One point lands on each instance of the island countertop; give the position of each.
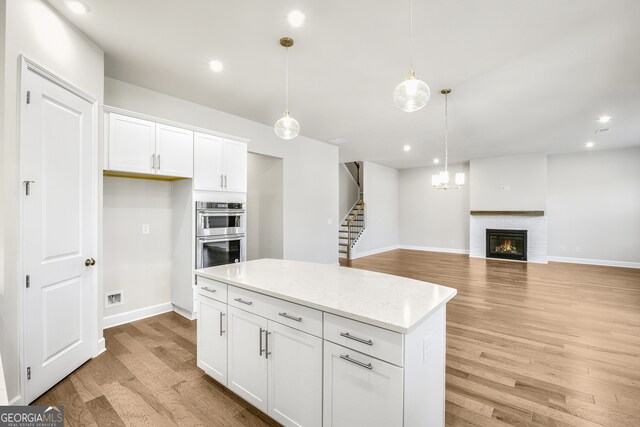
(391, 302)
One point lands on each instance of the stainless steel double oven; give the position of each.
(220, 229)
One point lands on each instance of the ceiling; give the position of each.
(527, 76)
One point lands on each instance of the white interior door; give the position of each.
(57, 231)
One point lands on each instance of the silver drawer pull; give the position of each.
(204, 288)
(351, 337)
(356, 362)
(297, 319)
(240, 300)
(221, 330)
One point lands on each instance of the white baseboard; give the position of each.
(608, 263)
(373, 252)
(184, 313)
(131, 316)
(15, 401)
(101, 347)
(432, 249)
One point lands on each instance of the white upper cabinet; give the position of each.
(145, 147)
(220, 164)
(132, 144)
(234, 157)
(174, 151)
(207, 162)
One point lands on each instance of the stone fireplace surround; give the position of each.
(535, 222)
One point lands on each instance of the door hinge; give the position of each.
(29, 372)
(28, 97)
(27, 281)
(27, 187)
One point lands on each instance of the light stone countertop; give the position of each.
(391, 302)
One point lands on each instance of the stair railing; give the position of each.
(355, 222)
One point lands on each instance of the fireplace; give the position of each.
(507, 244)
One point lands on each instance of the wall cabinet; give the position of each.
(212, 338)
(220, 164)
(144, 147)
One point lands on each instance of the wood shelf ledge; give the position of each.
(520, 213)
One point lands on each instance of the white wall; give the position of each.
(431, 218)
(526, 177)
(594, 205)
(381, 209)
(310, 167)
(139, 264)
(348, 191)
(35, 30)
(264, 207)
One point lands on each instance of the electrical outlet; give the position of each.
(329, 221)
(146, 229)
(112, 299)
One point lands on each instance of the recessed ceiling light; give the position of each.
(589, 144)
(436, 161)
(338, 141)
(296, 18)
(216, 66)
(77, 7)
(604, 119)
(407, 148)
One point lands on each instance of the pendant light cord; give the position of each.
(446, 131)
(286, 79)
(411, 34)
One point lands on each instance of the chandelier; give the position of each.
(441, 180)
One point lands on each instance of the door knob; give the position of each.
(89, 261)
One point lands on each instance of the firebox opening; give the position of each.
(507, 244)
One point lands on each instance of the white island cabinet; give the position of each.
(319, 345)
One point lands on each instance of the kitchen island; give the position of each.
(320, 345)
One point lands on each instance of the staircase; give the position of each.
(351, 229)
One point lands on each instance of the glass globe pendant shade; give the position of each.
(444, 177)
(287, 127)
(460, 178)
(412, 94)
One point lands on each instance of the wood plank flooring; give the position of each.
(527, 345)
(531, 344)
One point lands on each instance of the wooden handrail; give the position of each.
(349, 224)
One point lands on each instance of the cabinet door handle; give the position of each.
(356, 362)
(204, 288)
(240, 300)
(360, 340)
(158, 161)
(288, 316)
(153, 161)
(261, 349)
(266, 344)
(221, 330)
(225, 180)
(221, 181)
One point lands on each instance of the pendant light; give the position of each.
(412, 94)
(287, 127)
(441, 180)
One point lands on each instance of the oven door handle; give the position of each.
(222, 213)
(221, 238)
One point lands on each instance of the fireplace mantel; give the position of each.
(519, 213)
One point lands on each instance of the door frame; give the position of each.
(97, 340)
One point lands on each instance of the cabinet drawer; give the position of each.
(296, 316)
(371, 340)
(293, 315)
(252, 302)
(212, 289)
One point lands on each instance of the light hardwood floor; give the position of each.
(527, 344)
